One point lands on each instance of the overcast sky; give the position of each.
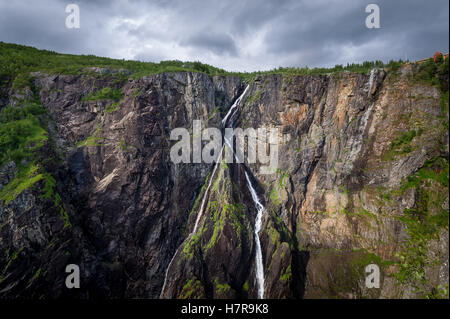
(238, 35)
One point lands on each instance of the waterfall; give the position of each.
(259, 207)
(371, 79)
(167, 272)
(259, 261)
(200, 214)
(260, 210)
(234, 106)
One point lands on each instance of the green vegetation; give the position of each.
(18, 61)
(404, 138)
(245, 286)
(50, 192)
(106, 93)
(111, 108)
(436, 169)
(21, 132)
(122, 145)
(401, 144)
(190, 244)
(444, 110)
(273, 234)
(286, 275)
(433, 73)
(11, 258)
(423, 224)
(359, 213)
(93, 140)
(36, 275)
(22, 135)
(220, 288)
(343, 189)
(252, 98)
(214, 112)
(193, 288)
(228, 211)
(279, 235)
(364, 67)
(274, 193)
(220, 212)
(24, 179)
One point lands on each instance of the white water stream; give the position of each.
(259, 262)
(371, 79)
(234, 106)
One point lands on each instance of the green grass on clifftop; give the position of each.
(18, 61)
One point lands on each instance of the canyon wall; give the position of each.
(362, 178)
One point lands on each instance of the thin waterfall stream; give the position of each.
(259, 262)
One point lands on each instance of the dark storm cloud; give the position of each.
(236, 35)
(23, 23)
(214, 42)
(414, 29)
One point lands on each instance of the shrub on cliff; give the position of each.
(20, 132)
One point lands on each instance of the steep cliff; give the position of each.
(362, 178)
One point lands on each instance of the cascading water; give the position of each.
(259, 261)
(371, 79)
(259, 207)
(218, 160)
(167, 272)
(199, 216)
(260, 210)
(234, 106)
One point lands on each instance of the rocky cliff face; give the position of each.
(344, 186)
(362, 178)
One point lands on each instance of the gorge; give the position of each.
(362, 178)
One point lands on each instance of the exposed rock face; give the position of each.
(334, 205)
(337, 188)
